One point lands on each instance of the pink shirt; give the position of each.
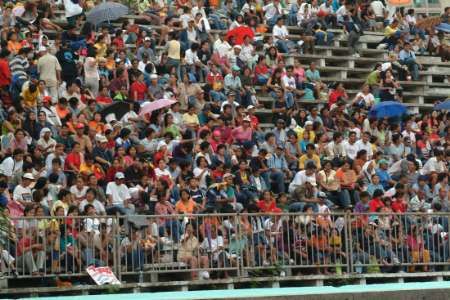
(241, 135)
(299, 74)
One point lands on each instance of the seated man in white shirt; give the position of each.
(119, 196)
(281, 36)
(272, 12)
(22, 192)
(194, 63)
(91, 195)
(436, 164)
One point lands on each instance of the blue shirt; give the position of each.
(403, 55)
(276, 162)
(384, 178)
(373, 187)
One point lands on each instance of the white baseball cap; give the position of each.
(28, 176)
(119, 175)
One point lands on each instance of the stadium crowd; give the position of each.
(74, 141)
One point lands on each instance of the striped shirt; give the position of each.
(19, 66)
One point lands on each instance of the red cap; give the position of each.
(47, 99)
(80, 126)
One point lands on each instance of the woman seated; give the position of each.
(188, 252)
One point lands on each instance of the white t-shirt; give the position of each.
(279, 32)
(119, 193)
(289, 81)
(368, 99)
(411, 135)
(360, 145)
(99, 207)
(92, 225)
(299, 179)
(9, 166)
(191, 57)
(22, 193)
(202, 181)
(270, 10)
(160, 173)
(378, 8)
(433, 165)
(213, 245)
(357, 131)
(350, 149)
(79, 194)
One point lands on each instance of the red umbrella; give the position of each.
(239, 33)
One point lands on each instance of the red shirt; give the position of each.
(23, 243)
(254, 121)
(334, 95)
(375, 204)
(261, 70)
(5, 73)
(211, 78)
(267, 207)
(118, 42)
(72, 159)
(399, 206)
(104, 100)
(140, 88)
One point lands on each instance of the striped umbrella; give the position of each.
(106, 11)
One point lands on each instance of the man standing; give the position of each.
(49, 71)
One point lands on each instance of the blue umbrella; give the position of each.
(106, 11)
(387, 109)
(443, 105)
(443, 27)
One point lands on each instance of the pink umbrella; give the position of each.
(155, 105)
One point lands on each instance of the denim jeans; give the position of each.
(290, 100)
(324, 38)
(277, 182)
(261, 79)
(413, 67)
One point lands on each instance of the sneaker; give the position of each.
(382, 46)
(356, 55)
(266, 263)
(282, 274)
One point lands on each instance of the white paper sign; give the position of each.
(102, 275)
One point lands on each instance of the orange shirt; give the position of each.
(319, 243)
(62, 112)
(14, 47)
(187, 208)
(99, 126)
(346, 179)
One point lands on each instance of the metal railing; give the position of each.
(222, 245)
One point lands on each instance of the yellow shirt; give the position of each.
(389, 31)
(30, 99)
(101, 49)
(190, 119)
(300, 131)
(304, 158)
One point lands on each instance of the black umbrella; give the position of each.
(118, 108)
